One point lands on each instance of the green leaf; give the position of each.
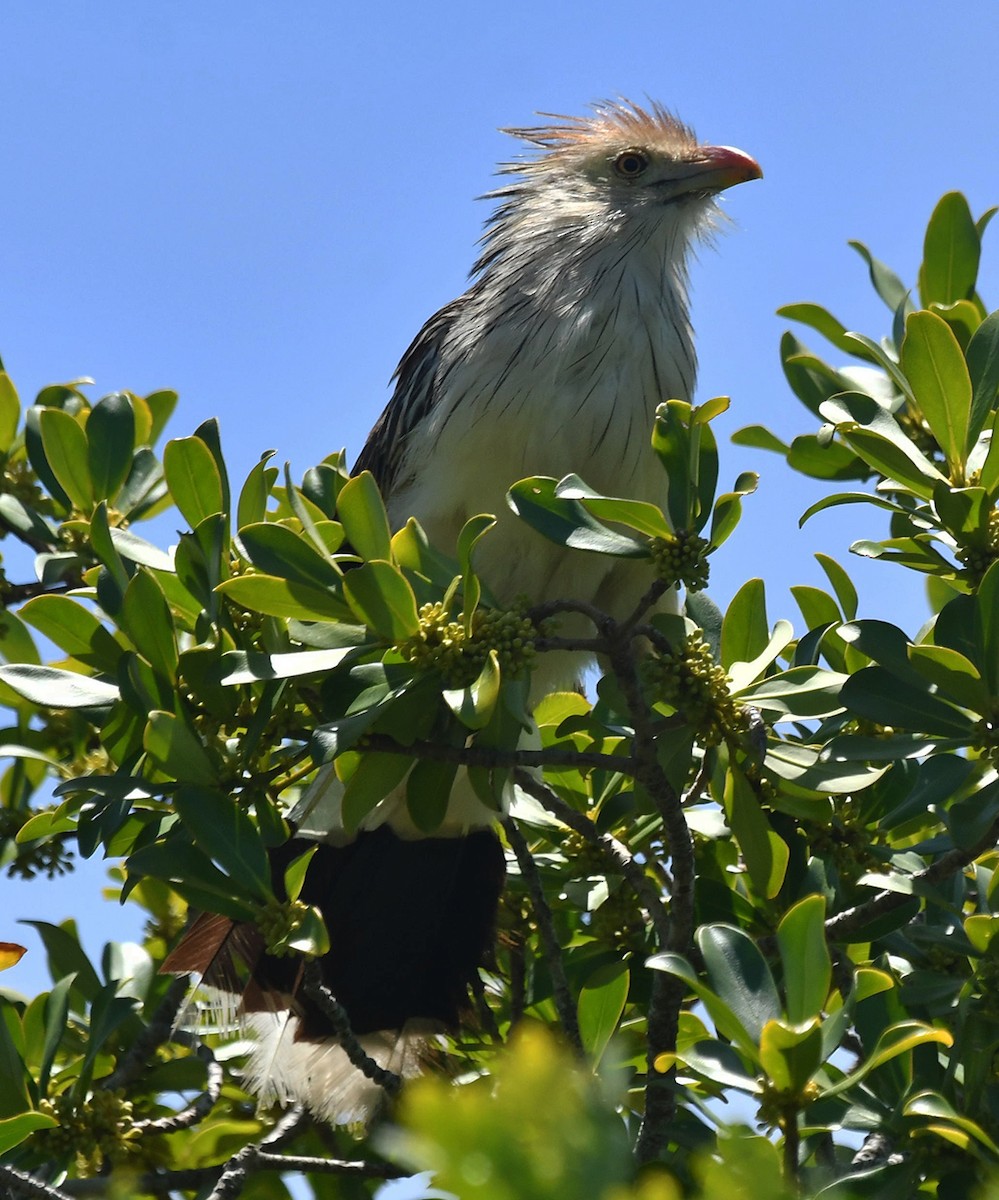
(638, 515)
(822, 320)
(375, 777)
(221, 828)
(759, 438)
(67, 957)
(250, 666)
(743, 673)
(601, 1002)
(936, 370)
(472, 531)
(252, 505)
(896, 1040)
(726, 1021)
(982, 356)
(10, 412)
(672, 443)
(277, 550)
(886, 283)
(145, 616)
(192, 874)
(65, 446)
(804, 954)
(177, 749)
(740, 976)
(193, 478)
(745, 631)
(14, 1130)
(284, 598)
(74, 629)
(954, 676)
(987, 626)
(765, 853)
(728, 511)
(799, 692)
(380, 595)
(474, 705)
(428, 793)
(881, 696)
(951, 251)
(824, 459)
(51, 687)
(110, 444)
(361, 510)
(790, 1054)
(567, 522)
(842, 585)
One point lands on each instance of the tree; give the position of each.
(754, 863)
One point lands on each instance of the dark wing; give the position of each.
(414, 397)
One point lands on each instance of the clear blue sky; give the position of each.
(259, 203)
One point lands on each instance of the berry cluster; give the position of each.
(976, 559)
(687, 678)
(100, 1128)
(682, 558)
(445, 645)
(278, 921)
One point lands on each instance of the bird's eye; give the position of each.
(629, 164)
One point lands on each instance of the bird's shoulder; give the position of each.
(412, 400)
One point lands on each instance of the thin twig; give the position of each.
(546, 928)
(159, 1030)
(489, 756)
(200, 1107)
(334, 1011)
(19, 1184)
(841, 926)
(233, 1178)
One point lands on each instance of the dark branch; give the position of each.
(199, 1108)
(332, 1009)
(546, 928)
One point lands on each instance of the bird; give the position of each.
(574, 327)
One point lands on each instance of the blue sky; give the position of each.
(258, 204)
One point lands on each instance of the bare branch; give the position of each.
(159, 1030)
(19, 1184)
(199, 1108)
(546, 928)
(334, 1011)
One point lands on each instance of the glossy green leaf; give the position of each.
(842, 585)
(277, 550)
(728, 1024)
(10, 411)
(176, 748)
(956, 678)
(14, 1130)
(110, 444)
(474, 529)
(743, 673)
(567, 522)
(804, 954)
(635, 514)
(766, 855)
(886, 283)
(67, 957)
(52, 687)
(821, 320)
(361, 511)
(380, 596)
(877, 438)
(601, 1003)
(428, 792)
(987, 627)
(896, 1040)
(221, 828)
(791, 1053)
(938, 374)
(759, 438)
(671, 441)
(740, 976)
(65, 446)
(285, 598)
(474, 705)
(375, 777)
(798, 692)
(74, 629)
(745, 631)
(880, 696)
(146, 617)
(982, 356)
(194, 479)
(251, 507)
(248, 666)
(951, 251)
(192, 874)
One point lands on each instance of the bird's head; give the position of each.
(620, 164)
